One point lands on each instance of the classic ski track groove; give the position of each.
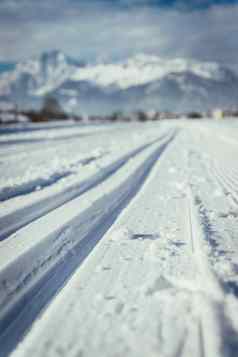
(226, 184)
(211, 290)
(20, 316)
(53, 139)
(201, 262)
(21, 217)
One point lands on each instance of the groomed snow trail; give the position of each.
(136, 254)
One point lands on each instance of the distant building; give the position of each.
(218, 114)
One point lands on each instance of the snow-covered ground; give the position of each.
(119, 240)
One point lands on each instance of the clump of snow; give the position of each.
(122, 233)
(218, 193)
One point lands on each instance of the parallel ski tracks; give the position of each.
(10, 223)
(208, 295)
(224, 174)
(18, 314)
(228, 182)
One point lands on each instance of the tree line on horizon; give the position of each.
(52, 110)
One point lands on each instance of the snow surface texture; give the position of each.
(118, 245)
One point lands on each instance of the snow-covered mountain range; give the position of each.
(141, 82)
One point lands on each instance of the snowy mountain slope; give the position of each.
(143, 69)
(138, 83)
(50, 69)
